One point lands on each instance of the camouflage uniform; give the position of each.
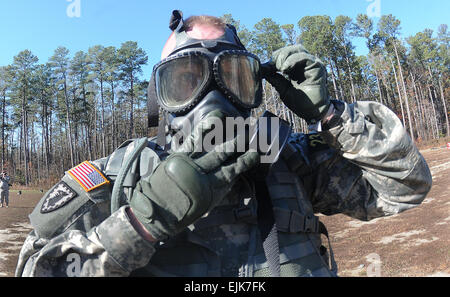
(4, 190)
(365, 166)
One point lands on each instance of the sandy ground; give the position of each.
(14, 227)
(414, 243)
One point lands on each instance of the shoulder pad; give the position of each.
(79, 189)
(150, 157)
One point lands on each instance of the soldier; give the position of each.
(154, 208)
(4, 189)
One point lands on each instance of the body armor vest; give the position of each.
(227, 242)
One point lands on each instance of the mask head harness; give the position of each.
(199, 76)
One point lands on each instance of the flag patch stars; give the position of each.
(88, 176)
(58, 197)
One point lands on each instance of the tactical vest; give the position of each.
(226, 241)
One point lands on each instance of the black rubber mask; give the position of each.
(184, 78)
(199, 76)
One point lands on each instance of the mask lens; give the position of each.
(179, 81)
(240, 76)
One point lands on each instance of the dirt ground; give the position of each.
(14, 228)
(414, 243)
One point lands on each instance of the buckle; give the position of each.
(242, 213)
(311, 225)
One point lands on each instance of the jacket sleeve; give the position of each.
(377, 170)
(112, 248)
(81, 237)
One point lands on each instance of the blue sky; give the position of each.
(43, 25)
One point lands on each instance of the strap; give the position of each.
(119, 183)
(267, 227)
(152, 104)
(294, 222)
(332, 262)
(231, 216)
(130, 180)
(286, 220)
(161, 138)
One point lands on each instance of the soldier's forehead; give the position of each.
(200, 31)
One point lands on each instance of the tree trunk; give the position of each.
(445, 107)
(69, 126)
(131, 106)
(427, 112)
(404, 91)
(442, 98)
(113, 112)
(88, 132)
(419, 110)
(48, 144)
(350, 74)
(3, 130)
(388, 97)
(102, 119)
(379, 87)
(434, 113)
(95, 149)
(399, 94)
(75, 124)
(341, 90)
(45, 137)
(25, 146)
(333, 77)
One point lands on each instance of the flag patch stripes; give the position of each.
(88, 176)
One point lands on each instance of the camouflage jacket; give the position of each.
(364, 166)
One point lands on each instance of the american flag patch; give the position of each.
(88, 176)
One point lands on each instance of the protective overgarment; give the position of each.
(364, 165)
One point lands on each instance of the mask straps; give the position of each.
(161, 138)
(152, 104)
(236, 37)
(153, 113)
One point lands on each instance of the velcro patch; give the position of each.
(88, 176)
(58, 197)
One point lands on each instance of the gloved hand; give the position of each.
(305, 92)
(188, 184)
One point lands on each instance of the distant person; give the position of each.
(4, 189)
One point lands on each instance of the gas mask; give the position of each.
(200, 76)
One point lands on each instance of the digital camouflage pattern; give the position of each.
(365, 166)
